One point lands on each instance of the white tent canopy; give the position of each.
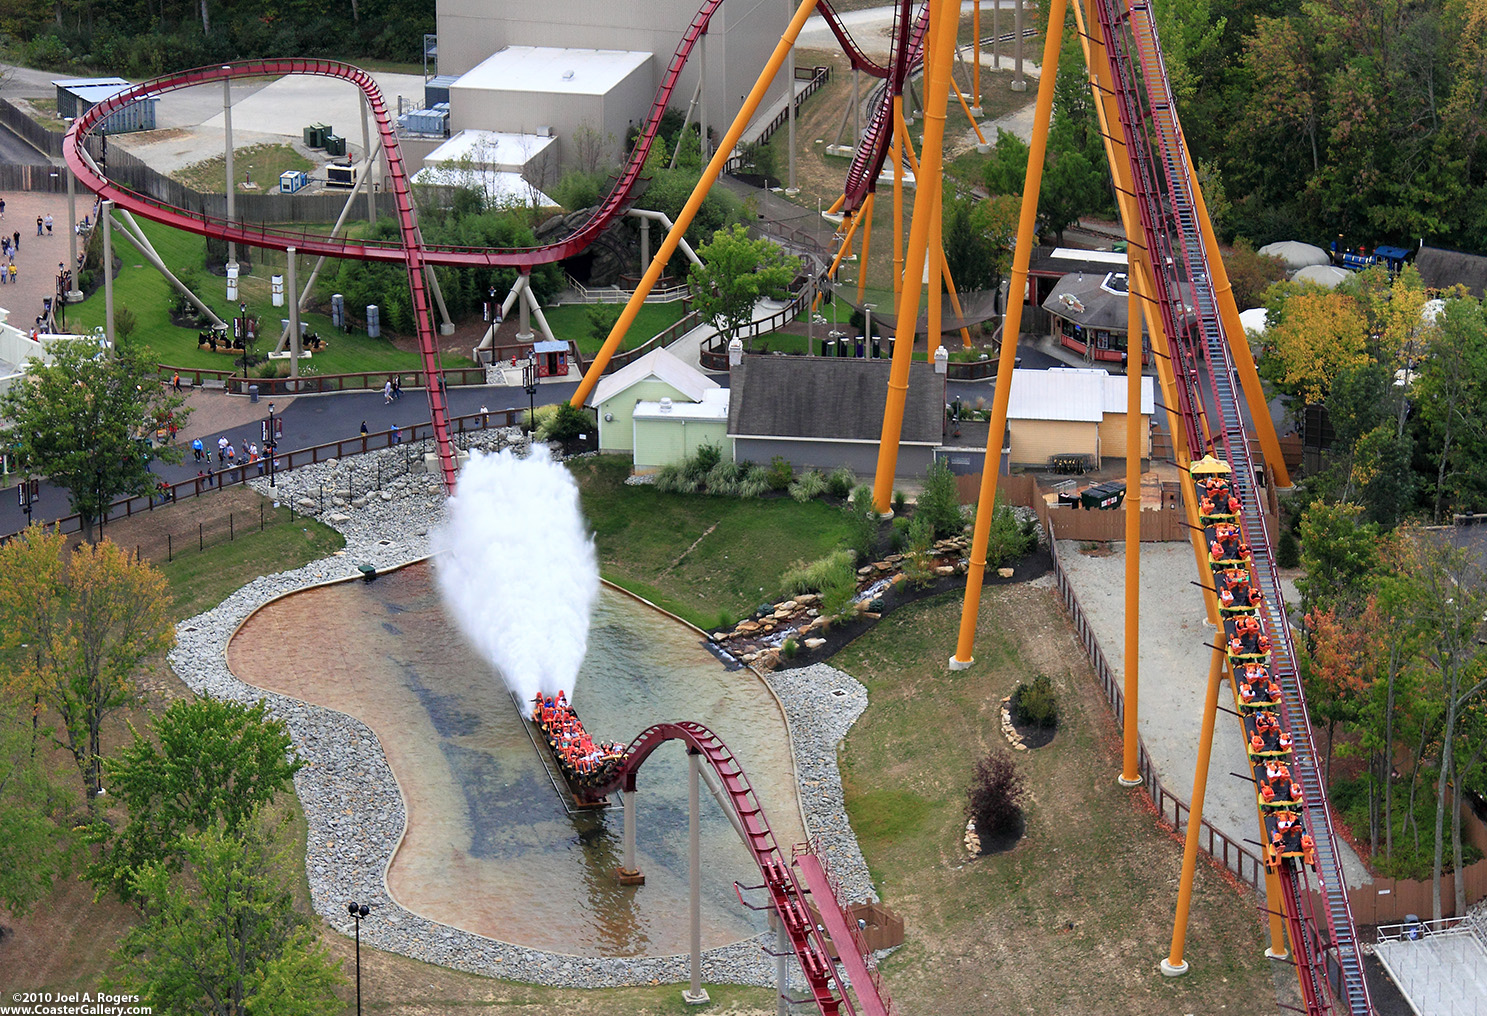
(1297, 254)
(1253, 320)
(1322, 275)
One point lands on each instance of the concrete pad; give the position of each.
(288, 105)
(1439, 975)
(1173, 673)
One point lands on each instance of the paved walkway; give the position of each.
(688, 346)
(1440, 975)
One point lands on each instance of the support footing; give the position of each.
(976, 112)
(1170, 969)
(629, 876)
(983, 149)
(76, 296)
(698, 999)
(1124, 781)
(1271, 954)
(446, 328)
(1019, 86)
(956, 664)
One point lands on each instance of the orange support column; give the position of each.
(938, 58)
(986, 504)
(896, 153)
(1174, 965)
(1130, 774)
(684, 219)
(866, 216)
(976, 57)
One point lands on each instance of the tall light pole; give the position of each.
(271, 442)
(357, 912)
(529, 382)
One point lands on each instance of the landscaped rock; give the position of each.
(1005, 573)
(747, 626)
(814, 643)
(945, 569)
(865, 571)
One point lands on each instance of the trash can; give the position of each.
(252, 393)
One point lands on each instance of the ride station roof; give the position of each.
(553, 69)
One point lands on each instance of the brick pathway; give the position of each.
(36, 262)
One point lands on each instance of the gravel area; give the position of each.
(346, 772)
(1175, 655)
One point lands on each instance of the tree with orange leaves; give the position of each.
(1314, 335)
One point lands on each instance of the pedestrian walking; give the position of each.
(363, 428)
(196, 449)
(397, 388)
(12, 273)
(397, 434)
(222, 448)
(175, 381)
(48, 223)
(485, 417)
(15, 242)
(231, 455)
(2, 208)
(38, 225)
(387, 392)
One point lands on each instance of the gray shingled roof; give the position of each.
(830, 397)
(1441, 268)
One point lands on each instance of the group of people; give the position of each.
(228, 457)
(584, 758)
(1268, 743)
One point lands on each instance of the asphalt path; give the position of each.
(313, 420)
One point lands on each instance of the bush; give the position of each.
(862, 521)
(811, 484)
(1288, 550)
(899, 501)
(900, 534)
(789, 649)
(707, 456)
(722, 479)
(564, 423)
(994, 798)
(755, 484)
(839, 593)
(919, 562)
(939, 502)
(1036, 704)
(840, 481)
(1008, 538)
(780, 473)
(814, 576)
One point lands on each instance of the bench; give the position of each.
(1069, 462)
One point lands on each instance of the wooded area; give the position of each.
(145, 38)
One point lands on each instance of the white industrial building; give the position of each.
(508, 169)
(542, 42)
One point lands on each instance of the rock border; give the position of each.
(347, 857)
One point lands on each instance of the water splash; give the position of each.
(517, 568)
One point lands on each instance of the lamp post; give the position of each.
(271, 442)
(357, 912)
(529, 382)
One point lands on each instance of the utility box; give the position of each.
(436, 90)
(315, 135)
(374, 322)
(335, 145)
(340, 176)
(292, 180)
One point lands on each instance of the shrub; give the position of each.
(722, 479)
(839, 593)
(1036, 704)
(1288, 550)
(789, 649)
(813, 576)
(840, 481)
(708, 455)
(862, 522)
(899, 500)
(939, 502)
(900, 534)
(754, 485)
(919, 563)
(564, 423)
(780, 473)
(994, 798)
(810, 485)
(1008, 538)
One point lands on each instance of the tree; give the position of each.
(85, 624)
(735, 274)
(1250, 273)
(978, 241)
(216, 764)
(939, 501)
(1451, 397)
(1006, 165)
(224, 939)
(1314, 335)
(1339, 553)
(1072, 186)
(36, 847)
(80, 421)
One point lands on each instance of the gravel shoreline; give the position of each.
(347, 859)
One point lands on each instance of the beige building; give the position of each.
(1066, 411)
(737, 45)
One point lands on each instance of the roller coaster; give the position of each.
(1178, 280)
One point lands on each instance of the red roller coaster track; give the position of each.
(787, 884)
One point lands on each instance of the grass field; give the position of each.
(1076, 917)
(571, 321)
(260, 163)
(147, 294)
(707, 559)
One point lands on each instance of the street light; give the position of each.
(271, 429)
(529, 382)
(357, 912)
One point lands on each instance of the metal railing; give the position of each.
(615, 294)
(311, 384)
(415, 439)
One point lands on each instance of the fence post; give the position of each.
(169, 550)
(260, 516)
(231, 529)
(201, 540)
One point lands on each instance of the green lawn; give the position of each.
(571, 321)
(260, 163)
(700, 557)
(1075, 918)
(146, 293)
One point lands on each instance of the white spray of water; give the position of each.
(517, 568)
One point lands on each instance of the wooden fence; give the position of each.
(1232, 855)
(1389, 900)
(416, 440)
(1077, 523)
(312, 384)
(45, 141)
(817, 76)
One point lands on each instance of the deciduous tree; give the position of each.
(86, 621)
(736, 272)
(81, 420)
(36, 845)
(214, 765)
(1315, 334)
